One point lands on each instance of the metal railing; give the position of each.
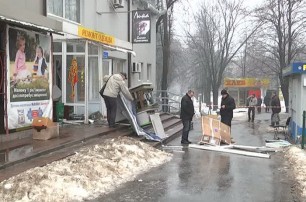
(167, 103)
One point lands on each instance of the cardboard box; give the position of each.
(215, 132)
(211, 130)
(225, 132)
(44, 129)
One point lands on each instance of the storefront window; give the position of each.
(76, 46)
(92, 49)
(93, 71)
(75, 82)
(57, 47)
(118, 66)
(58, 70)
(69, 9)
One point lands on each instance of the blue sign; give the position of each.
(105, 54)
(295, 68)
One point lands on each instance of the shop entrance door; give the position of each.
(106, 70)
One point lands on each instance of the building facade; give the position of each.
(296, 74)
(80, 41)
(100, 58)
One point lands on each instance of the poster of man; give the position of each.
(29, 76)
(29, 65)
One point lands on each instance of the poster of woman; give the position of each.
(29, 76)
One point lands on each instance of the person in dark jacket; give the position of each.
(227, 107)
(259, 102)
(276, 109)
(267, 101)
(187, 112)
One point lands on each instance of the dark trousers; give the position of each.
(267, 108)
(259, 109)
(227, 120)
(111, 105)
(251, 109)
(186, 129)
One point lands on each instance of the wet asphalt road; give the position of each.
(198, 175)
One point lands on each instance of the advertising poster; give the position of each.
(141, 27)
(29, 77)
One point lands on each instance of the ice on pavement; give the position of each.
(91, 172)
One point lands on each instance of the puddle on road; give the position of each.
(15, 153)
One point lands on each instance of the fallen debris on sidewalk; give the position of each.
(92, 171)
(255, 149)
(229, 150)
(277, 143)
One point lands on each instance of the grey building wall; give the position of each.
(101, 16)
(98, 15)
(31, 11)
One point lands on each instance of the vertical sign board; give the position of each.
(30, 77)
(141, 27)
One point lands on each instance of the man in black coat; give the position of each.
(276, 109)
(227, 107)
(187, 112)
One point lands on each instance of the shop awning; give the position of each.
(28, 25)
(119, 49)
(107, 41)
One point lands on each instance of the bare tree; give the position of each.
(283, 35)
(164, 26)
(217, 39)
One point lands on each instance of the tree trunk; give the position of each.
(285, 91)
(215, 89)
(166, 48)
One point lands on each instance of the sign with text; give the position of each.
(29, 76)
(246, 82)
(95, 36)
(141, 26)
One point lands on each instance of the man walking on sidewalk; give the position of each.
(115, 84)
(227, 107)
(187, 112)
(259, 102)
(267, 103)
(252, 103)
(276, 109)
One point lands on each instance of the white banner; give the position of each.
(29, 76)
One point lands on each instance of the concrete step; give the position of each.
(172, 133)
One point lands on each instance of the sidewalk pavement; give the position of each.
(19, 150)
(18, 155)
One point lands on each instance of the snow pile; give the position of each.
(89, 173)
(297, 159)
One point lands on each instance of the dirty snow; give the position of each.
(297, 160)
(89, 173)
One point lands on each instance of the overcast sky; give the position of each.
(184, 9)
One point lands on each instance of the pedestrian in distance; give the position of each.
(259, 102)
(267, 101)
(187, 112)
(276, 109)
(115, 84)
(252, 103)
(227, 107)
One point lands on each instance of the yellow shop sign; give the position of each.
(95, 36)
(246, 82)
